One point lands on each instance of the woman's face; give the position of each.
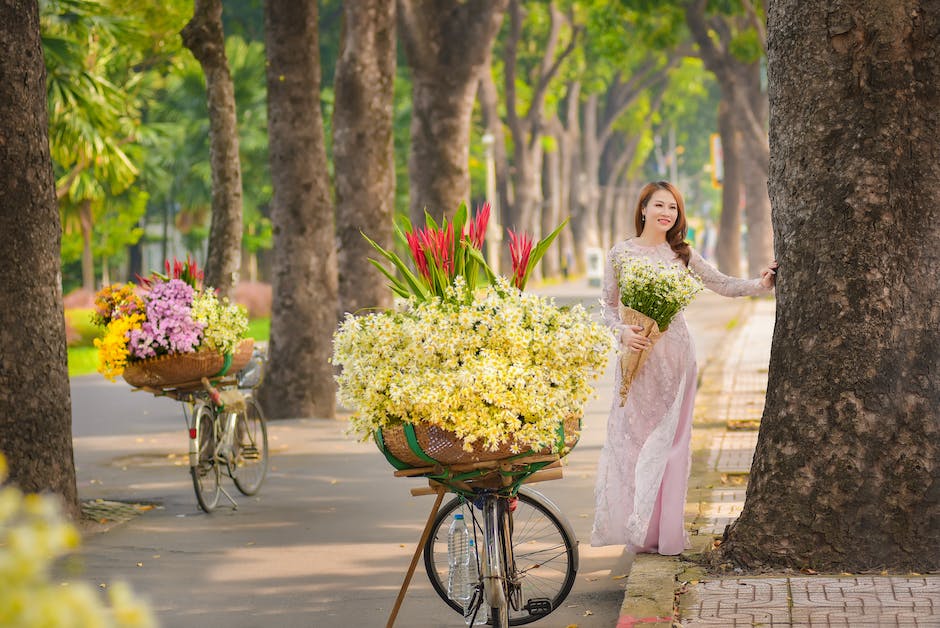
(661, 211)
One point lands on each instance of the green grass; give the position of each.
(259, 329)
(84, 360)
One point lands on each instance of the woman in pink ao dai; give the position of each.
(643, 471)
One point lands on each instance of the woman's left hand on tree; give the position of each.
(768, 276)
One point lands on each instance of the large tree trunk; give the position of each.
(447, 44)
(846, 475)
(363, 149)
(35, 402)
(300, 378)
(204, 37)
(728, 248)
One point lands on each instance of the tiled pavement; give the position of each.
(804, 601)
(817, 601)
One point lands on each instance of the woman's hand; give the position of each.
(632, 340)
(768, 276)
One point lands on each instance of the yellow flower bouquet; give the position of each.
(497, 368)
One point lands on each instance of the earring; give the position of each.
(642, 217)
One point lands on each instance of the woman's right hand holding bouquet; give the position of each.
(630, 338)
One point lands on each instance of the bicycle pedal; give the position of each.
(538, 606)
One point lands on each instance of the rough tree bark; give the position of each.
(363, 149)
(728, 248)
(300, 378)
(447, 44)
(846, 475)
(35, 402)
(204, 37)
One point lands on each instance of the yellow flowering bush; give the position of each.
(500, 366)
(33, 534)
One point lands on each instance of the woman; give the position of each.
(643, 470)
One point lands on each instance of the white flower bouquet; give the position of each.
(651, 295)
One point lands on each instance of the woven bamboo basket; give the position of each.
(169, 371)
(446, 448)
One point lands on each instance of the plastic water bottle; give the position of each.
(483, 614)
(459, 587)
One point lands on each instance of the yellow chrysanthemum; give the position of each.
(112, 348)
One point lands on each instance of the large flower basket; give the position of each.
(631, 361)
(173, 371)
(416, 445)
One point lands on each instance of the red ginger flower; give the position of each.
(417, 253)
(520, 249)
(477, 227)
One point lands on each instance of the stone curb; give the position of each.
(650, 596)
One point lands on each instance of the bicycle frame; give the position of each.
(495, 553)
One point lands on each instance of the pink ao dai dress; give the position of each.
(643, 471)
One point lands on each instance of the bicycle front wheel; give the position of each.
(207, 474)
(250, 459)
(544, 555)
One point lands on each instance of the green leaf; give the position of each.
(397, 286)
(539, 251)
(413, 282)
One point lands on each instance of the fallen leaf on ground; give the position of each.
(586, 613)
(620, 577)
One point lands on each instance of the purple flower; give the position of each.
(169, 328)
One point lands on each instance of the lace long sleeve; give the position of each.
(610, 299)
(723, 284)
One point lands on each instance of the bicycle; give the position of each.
(227, 433)
(528, 557)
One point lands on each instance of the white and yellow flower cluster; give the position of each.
(658, 290)
(225, 323)
(33, 533)
(505, 367)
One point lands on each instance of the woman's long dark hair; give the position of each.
(676, 234)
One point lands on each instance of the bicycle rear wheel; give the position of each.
(545, 555)
(250, 460)
(207, 474)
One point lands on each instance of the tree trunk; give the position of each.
(447, 44)
(728, 248)
(363, 150)
(846, 475)
(300, 378)
(204, 37)
(755, 155)
(551, 215)
(489, 107)
(35, 401)
(87, 225)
